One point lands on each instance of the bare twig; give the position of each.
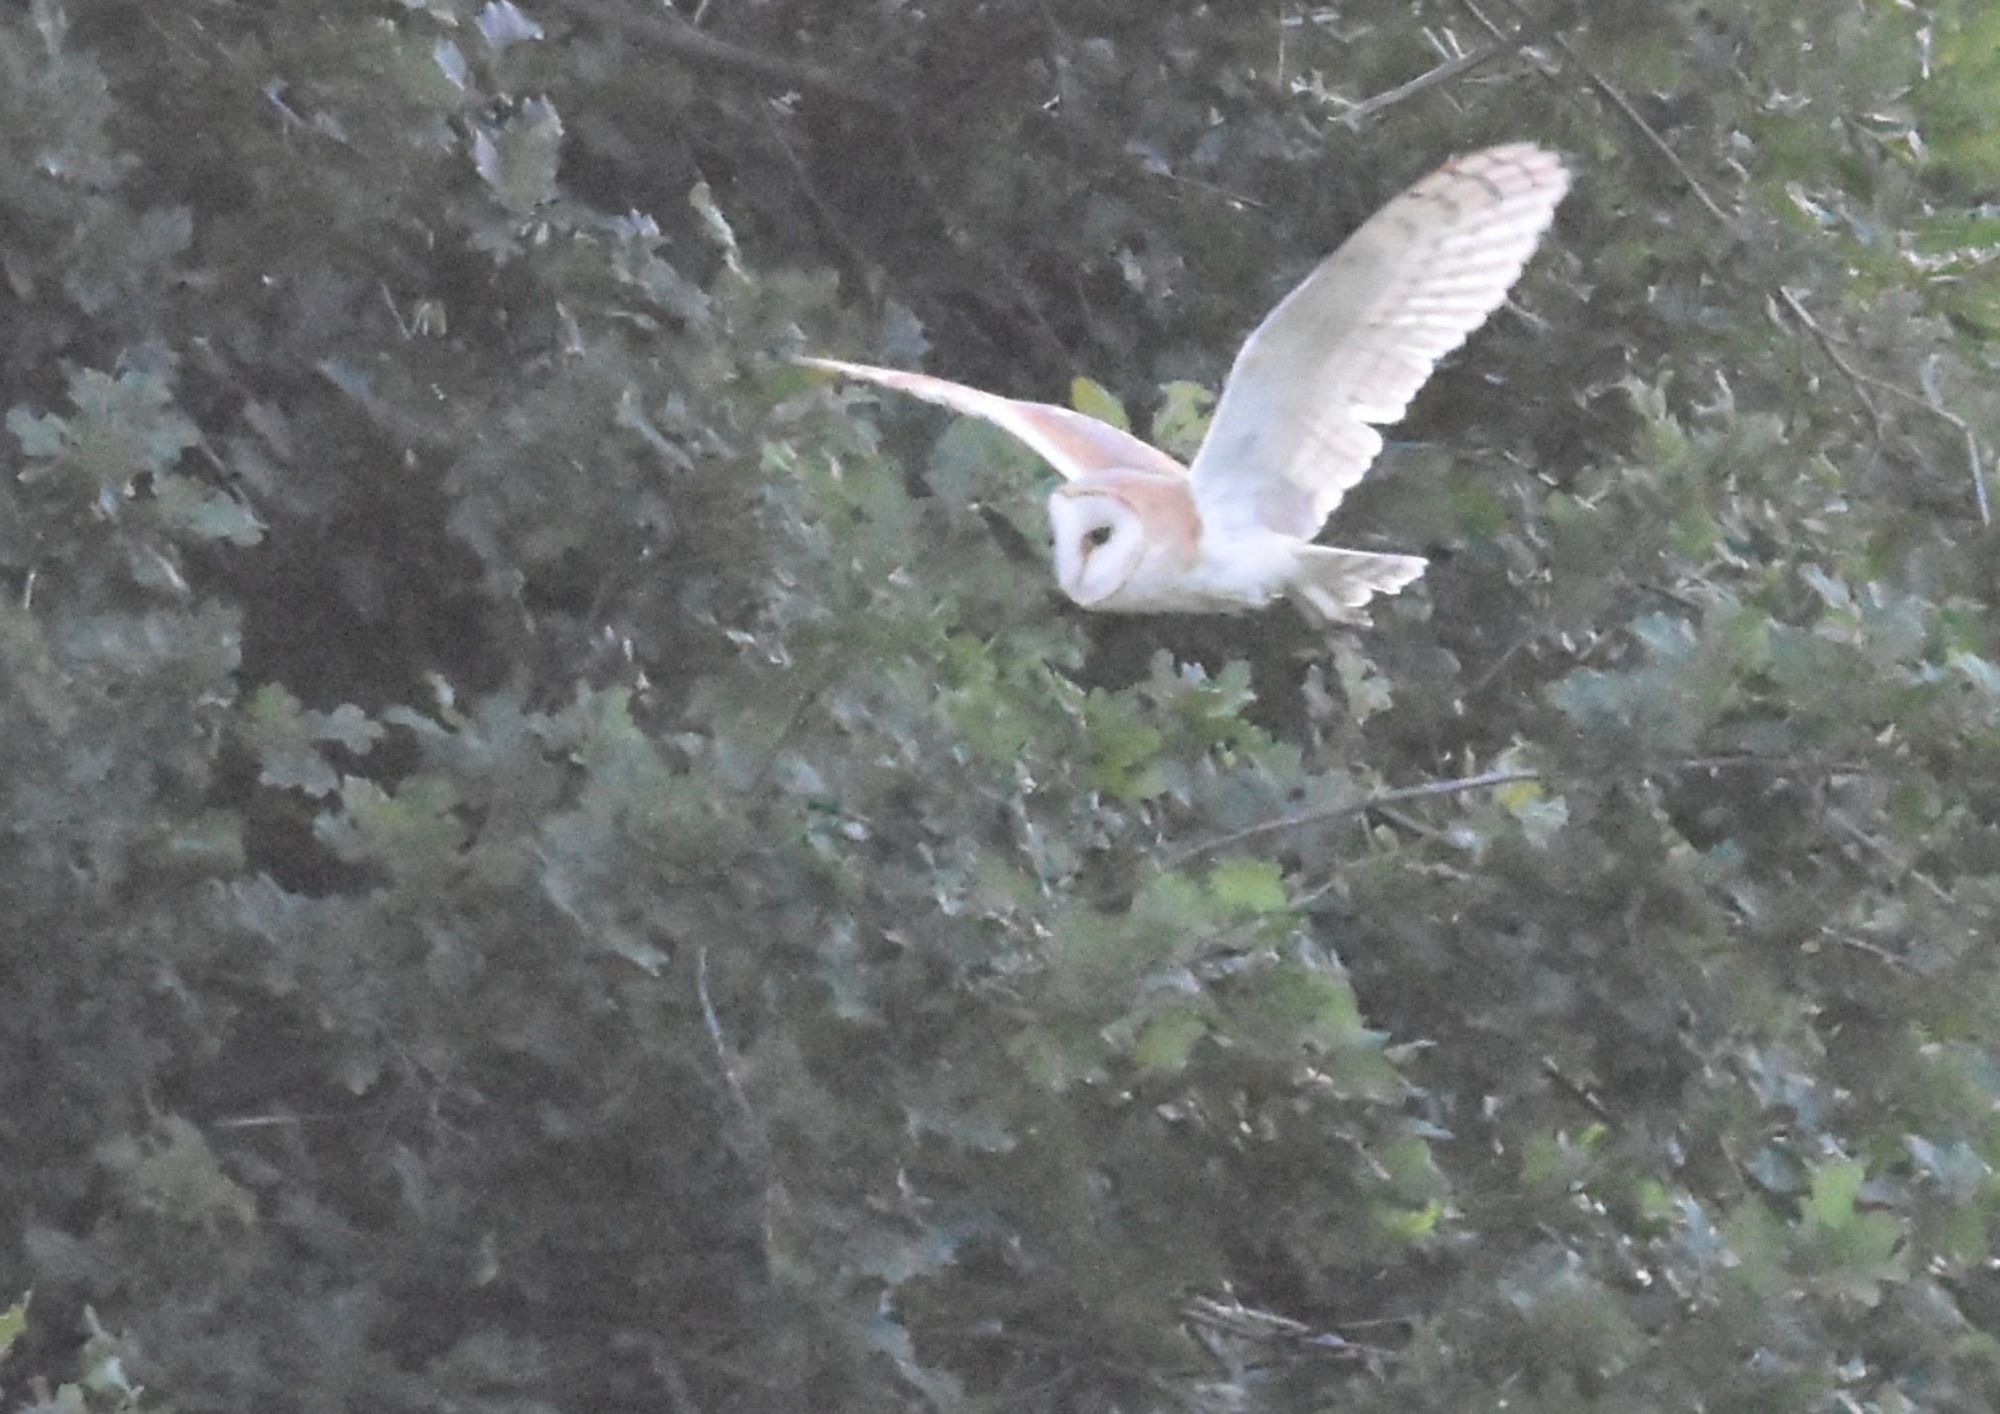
(1867, 949)
(1935, 398)
(1485, 780)
(1612, 95)
(272, 1120)
(1904, 869)
(1499, 664)
(1226, 193)
(1577, 1091)
(664, 30)
(1758, 761)
(724, 1057)
(1233, 1318)
(829, 220)
(996, 270)
(1426, 791)
(1279, 82)
(1827, 343)
(1863, 380)
(1406, 822)
(1444, 73)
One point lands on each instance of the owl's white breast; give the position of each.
(1229, 575)
(1246, 568)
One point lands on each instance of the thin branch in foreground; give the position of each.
(724, 1056)
(830, 223)
(1753, 760)
(1400, 794)
(1234, 1319)
(1863, 380)
(1867, 949)
(663, 29)
(1578, 1091)
(1903, 869)
(1616, 98)
(1444, 73)
(1459, 785)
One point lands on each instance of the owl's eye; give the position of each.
(1096, 538)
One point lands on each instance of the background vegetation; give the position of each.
(551, 862)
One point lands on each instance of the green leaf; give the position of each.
(1542, 816)
(415, 829)
(346, 725)
(186, 505)
(1168, 1039)
(714, 224)
(122, 428)
(281, 737)
(1094, 400)
(1408, 1224)
(285, 738)
(1366, 690)
(1835, 1187)
(41, 435)
(1249, 886)
(1182, 421)
(1168, 906)
(1298, 1005)
(174, 1173)
(518, 156)
(13, 1321)
(1411, 1165)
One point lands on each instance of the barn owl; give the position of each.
(1137, 532)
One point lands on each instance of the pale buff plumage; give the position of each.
(1136, 532)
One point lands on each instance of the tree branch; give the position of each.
(1612, 95)
(1932, 403)
(1354, 807)
(1532, 31)
(1459, 785)
(1444, 73)
(661, 29)
(1863, 381)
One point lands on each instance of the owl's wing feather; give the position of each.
(1074, 443)
(1350, 347)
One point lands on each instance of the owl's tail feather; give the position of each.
(1334, 584)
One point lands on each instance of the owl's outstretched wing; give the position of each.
(1350, 347)
(1074, 443)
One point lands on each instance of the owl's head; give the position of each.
(1099, 537)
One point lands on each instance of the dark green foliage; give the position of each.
(554, 861)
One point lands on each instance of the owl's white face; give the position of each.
(1099, 540)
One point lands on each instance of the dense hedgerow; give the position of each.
(554, 861)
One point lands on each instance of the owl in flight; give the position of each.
(1137, 532)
